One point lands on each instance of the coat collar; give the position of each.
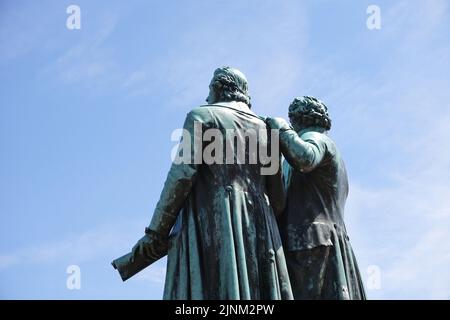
(312, 129)
(236, 105)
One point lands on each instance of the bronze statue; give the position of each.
(216, 221)
(320, 260)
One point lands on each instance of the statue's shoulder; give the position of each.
(200, 113)
(322, 140)
(314, 136)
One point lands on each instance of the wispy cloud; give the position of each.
(155, 274)
(403, 231)
(402, 222)
(267, 50)
(20, 31)
(108, 240)
(88, 60)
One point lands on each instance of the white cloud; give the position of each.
(106, 241)
(88, 60)
(156, 274)
(266, 49)
(393, 125)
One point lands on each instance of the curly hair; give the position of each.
(231, 85)
(309, 111)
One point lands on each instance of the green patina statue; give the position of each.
(320, 260)
(216, 222)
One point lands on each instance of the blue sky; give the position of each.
(86, 117)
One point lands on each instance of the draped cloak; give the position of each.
(321, 261)
(224, 243)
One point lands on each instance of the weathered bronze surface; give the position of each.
(320, 260)
(217, 222)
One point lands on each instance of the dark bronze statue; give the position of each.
(320, 259)
(216, 216)
(216, 221)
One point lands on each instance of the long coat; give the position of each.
(321, 261)
(225, 242)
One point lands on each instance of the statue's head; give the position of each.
(307, 112)
(228, 84)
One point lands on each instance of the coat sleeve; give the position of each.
(275, 187)
(302, 153)
(181, 176)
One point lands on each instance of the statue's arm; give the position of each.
(179, 182)
(180, 179)
(154, 244)
(177, 186)
(303, 155)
